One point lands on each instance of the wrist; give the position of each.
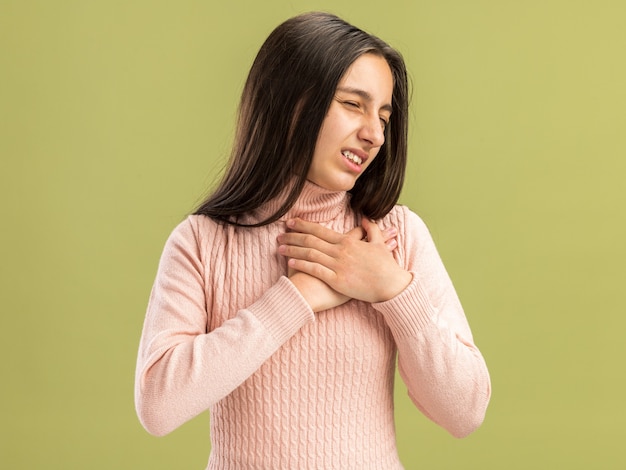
(303, 283)
(395, 285)
(319, 295)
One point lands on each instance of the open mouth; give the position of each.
(352, 157)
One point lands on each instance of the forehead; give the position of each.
(369, 73)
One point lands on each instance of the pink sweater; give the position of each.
(227, 332)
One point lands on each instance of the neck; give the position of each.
(315, 204)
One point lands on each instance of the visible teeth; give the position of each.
(352, 157)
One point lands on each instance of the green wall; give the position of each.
(115, 117)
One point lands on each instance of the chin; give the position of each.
(335, 185)
(338, 187)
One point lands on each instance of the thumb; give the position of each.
(357, 233)
(372, 231)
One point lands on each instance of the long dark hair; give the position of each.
(284, 102)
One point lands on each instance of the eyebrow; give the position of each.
(365, 95)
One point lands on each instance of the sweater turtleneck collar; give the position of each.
(314, 204)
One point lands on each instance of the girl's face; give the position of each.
(353, 130)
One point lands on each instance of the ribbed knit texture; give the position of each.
(288, 389)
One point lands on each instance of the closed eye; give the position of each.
(384, 122)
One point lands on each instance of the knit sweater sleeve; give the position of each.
(181, 368)
(445, 373)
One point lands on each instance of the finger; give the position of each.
(303, 240)
(389, 234)
(312, 228)
(357, 233)
(374, 234)
(391, 244)
(309, 255)
(313, 269)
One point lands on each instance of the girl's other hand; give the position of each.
(357, 264)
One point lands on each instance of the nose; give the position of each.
(372, 131)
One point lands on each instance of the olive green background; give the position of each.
(116, 116)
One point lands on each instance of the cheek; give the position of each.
(323, 138)
(371, 159)
(334, 126)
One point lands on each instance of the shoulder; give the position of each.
(415, 241)
(195, 230)
(199, 224)
(192, 226)
(405, 220)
